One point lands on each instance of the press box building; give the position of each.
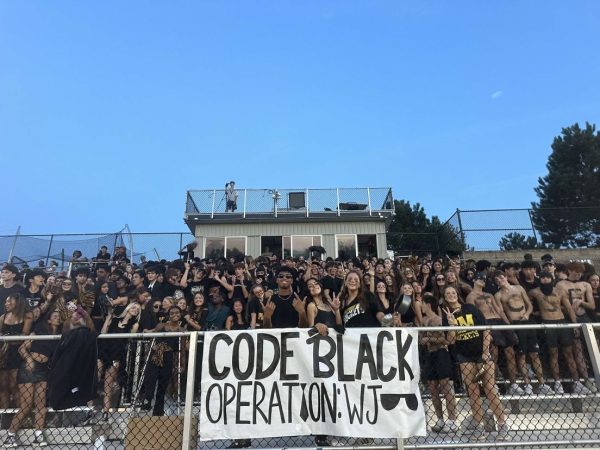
(287, 222)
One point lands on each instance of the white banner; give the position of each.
(292, 382)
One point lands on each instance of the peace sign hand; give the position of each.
(299, 304)
(449, 316)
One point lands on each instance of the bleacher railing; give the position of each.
(538, 419)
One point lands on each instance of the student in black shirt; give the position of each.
(322, 312)
(285, 309)
(473, 354)
(360, 308)
(331, 283)
(9, 285)
(33, 292)
(255, 307)
(241, 285)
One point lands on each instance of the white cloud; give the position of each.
(497, 95)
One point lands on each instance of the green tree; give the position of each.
(411, 231)
(568, 211)
(518, 241)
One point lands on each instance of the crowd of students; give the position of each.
(241, 293)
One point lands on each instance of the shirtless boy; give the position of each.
(518, 309)
(504, 339)
(552, 302)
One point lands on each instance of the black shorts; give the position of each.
(440, 365)
(502, 338)
(38, 374)
(528, 342)
(584, 318)
(460, 358)
(556, 336)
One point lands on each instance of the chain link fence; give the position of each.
(146, 394)
(57, 249)
(525, 229)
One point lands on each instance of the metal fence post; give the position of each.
(189, 393)
(49, 249)
(532, 225)
(369, 200)
(212, 213)
(12, 249)
(337, 192)
(592, 346)
(245, 199)
(306, 202)
(460, 227)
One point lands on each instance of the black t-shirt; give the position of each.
(284, 316)
(355, 316)
(254, 307)
(334, 284)
(238, 293)
(43, 347)
(148, 319)
(468, 343)
(33, 298)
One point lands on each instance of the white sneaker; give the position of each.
(514, 389)
(439, 426)
(558, 389)
(545, 390)
(528, 389)
(580, 389)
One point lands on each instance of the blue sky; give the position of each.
(110, 111)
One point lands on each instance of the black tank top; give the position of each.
(325, 317)
(12, 330)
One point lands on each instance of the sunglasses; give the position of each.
(440, 279)
(284, 276)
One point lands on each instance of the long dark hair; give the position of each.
(243, 314)
(21, 307)
(360, 296)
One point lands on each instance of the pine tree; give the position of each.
(518, 241)
(568, 211)
(411, 231)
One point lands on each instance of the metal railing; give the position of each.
(541, 418)
(297, 202)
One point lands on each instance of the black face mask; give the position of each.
(546, 288)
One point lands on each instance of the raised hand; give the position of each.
(449, 316)
(299, 304)
(269, 308)
(335, 302)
